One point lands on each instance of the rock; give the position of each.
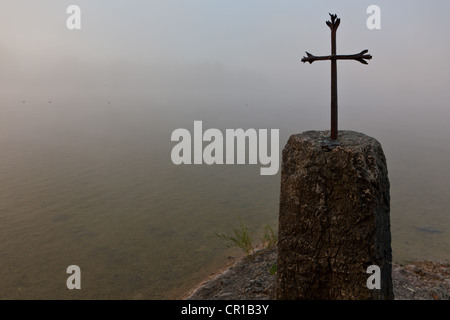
(422, 280)
(225, 296)
(249, 278)
(334, 218)
(424, 277)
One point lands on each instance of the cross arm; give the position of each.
(361, 57)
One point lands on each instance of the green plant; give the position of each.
(273, 269)
(270, 238)
(241, 239)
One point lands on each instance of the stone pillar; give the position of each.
(334, 218)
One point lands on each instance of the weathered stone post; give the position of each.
(334, 218)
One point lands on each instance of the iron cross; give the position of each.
(361, 57)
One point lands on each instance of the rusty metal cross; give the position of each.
(361, 57)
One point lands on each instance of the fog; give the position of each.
(191, 51)
(230, 64)
(88, 114)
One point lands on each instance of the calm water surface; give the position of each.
(93, 185)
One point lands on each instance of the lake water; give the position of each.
(91, 183)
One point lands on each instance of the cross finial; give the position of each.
(360, 57)
(334, 23)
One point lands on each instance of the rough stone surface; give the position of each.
(250, 278)
(334, 218)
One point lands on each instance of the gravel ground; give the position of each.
(249, 278)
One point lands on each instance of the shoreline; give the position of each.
(212, 277)
(249, 278)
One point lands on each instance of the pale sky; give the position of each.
(86, 118)
(253, 46)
